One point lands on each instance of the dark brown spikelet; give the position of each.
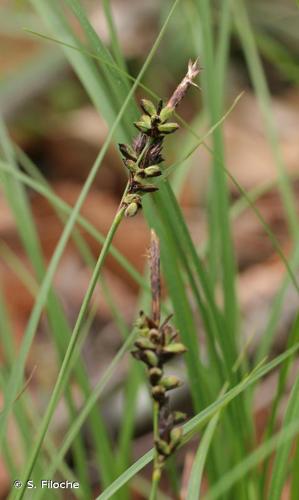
(144, 157)
(157, 343)
(139, 143)
(154, 156)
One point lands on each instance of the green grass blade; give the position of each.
(66, 364)
(219, 205)
(294, 472)
(279, 55)
(86, 69)
(88, 405)
(281, 384)
(18, 268)
(24, 411)
(246, 198)
(278, 442)
(262, 92)
(276, 308)
(134, 380)
(115, 45)
(279, 471)
(25, 224)
(126, 476)
(194, 484)
(19, 204)
(114, 80)
(192, 427)
(6, 333)
(270, 234)
(64, 208)
(86, 52)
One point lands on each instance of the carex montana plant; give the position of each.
(147, 148)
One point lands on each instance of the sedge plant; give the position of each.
(193, 277)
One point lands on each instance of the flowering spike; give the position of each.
(145, 154)
(155, 348)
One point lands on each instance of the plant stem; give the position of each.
(64, 371)
(155, 419)
(154, 489)
(156, 470)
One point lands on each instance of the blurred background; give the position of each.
(52, 121)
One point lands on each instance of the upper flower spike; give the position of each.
(181, 90)
(144, 157)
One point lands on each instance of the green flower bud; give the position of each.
(168, 128)
(154, 375)
(144, 332)
(143, 343)
(152, 171)
(175, 437)
(130, 198)
(170, 382)
(138, 178)
(163, 448)
(165, 114)
(146, 119)
(131, 165)
(150, 358)
(141, 321)
(158, 393)
(148, 107)
(179, 417)
(144, 124)
(154, 335)
(131, 209)
(176, 348)
(140, 172)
